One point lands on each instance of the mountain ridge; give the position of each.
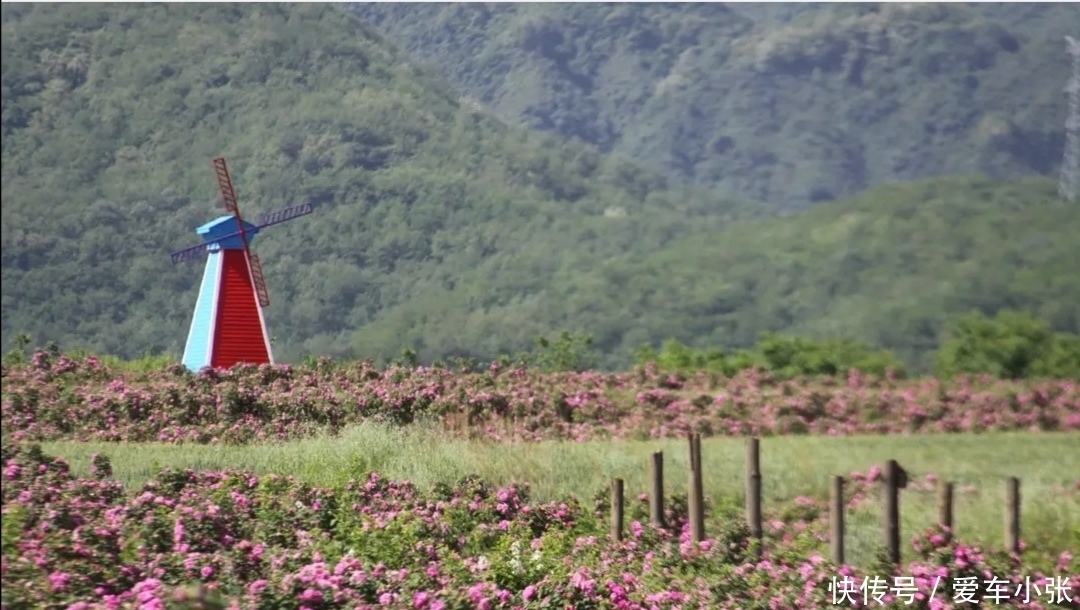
(437, 226)
(307, 104)
(786, 104)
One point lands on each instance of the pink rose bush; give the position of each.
(57, 397)
(232, 539)
(235, 540)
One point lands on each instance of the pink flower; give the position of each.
(58, 581)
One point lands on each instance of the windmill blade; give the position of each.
(194, 252)
(258, 279)
(228, 194)
(189, 254)
(289, 213)
(265, 220)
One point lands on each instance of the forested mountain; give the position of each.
(437, 226)
(889, 266)
(431, 219)
(783, 103)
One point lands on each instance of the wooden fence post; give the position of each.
(836, 520)
(696, 495)
(753, 492)
(617, 509)
(893, 483)
(1012, 515)
(656, 498)
(945, 505)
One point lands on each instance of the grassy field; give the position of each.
(1047, 464)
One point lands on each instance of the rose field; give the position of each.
(349, 486)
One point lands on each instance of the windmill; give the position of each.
(228, 325)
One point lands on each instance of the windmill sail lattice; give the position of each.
(228, 325)
(259, 280)
(228, 196)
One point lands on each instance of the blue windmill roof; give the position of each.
(224, 226)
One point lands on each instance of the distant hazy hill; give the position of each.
(785, 103)
(437, 226)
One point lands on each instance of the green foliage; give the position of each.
(793, 356)
(196, 597)
(888, 268)
(675, 356)
(1061, 360)
(567, 352)
(438, 226)
(1011, 345)
(407, 358)
(17, 354)
(785, 357)
(146, 363)
(11, 528)
(790, 104)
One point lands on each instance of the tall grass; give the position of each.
(1047, 464)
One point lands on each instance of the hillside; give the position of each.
(437, 226)
(112, 113)
(889, 267)
(786, 103)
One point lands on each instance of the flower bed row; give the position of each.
(274, 543)
(56, 397)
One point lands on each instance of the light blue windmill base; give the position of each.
(200, 337)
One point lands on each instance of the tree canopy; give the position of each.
(784, 103)
(439, 227)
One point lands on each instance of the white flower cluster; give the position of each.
(516, 563)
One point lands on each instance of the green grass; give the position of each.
(791, 466)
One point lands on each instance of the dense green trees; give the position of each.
(786, 103)
(438, 227)
(784, 356)
(1011, 345)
